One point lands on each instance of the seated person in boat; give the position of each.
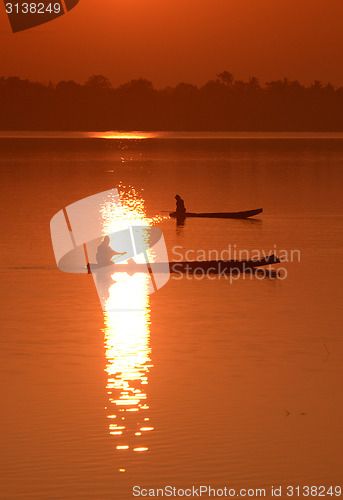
(180, 206)
(105, 253)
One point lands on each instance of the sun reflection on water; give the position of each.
(132, 211)
(127, 340)
(128, 356)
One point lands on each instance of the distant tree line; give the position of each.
(222, 104)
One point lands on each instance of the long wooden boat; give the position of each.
(191, 267)
(219, 215)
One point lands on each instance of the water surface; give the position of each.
(211, 382)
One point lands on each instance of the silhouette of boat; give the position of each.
(219, 215)
(191, 267)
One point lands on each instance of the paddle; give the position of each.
(118, 255)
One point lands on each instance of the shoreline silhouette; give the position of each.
(221, 104)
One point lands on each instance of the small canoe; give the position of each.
(192, 267)
(219, 215)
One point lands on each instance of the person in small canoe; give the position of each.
(105, 253)
(180, 206)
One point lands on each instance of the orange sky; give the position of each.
(168, 41)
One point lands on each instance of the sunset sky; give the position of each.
(169, 41)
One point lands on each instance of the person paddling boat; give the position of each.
(105, 253)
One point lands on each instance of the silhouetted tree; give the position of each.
(98, 83)
(226, 78)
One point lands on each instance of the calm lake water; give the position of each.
(209, 383)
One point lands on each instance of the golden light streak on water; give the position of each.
(122, 135)
(127, 348)
(127, 333)
(131, 212)
(128, 354)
